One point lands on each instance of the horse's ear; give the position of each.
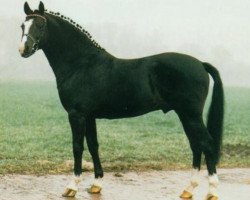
(27, 9)
(41, 8)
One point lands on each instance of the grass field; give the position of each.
(35, 135)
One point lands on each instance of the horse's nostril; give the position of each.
(26, 50)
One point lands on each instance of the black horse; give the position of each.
(93, 84)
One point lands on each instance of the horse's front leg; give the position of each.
(78, 126)
(91, 136)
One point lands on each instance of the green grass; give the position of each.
(35, 135)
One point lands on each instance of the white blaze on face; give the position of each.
(27, 25)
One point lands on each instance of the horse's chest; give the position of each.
(70, 96)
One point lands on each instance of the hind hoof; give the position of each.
(186, 195)
(94, 189)
(211, 197)
(69, 193)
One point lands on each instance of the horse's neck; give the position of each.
(68, 49)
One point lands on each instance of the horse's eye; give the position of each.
(39, 26)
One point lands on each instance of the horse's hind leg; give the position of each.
(191, 127)
(91, 136)
(200, 142)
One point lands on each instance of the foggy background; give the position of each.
(215, 31)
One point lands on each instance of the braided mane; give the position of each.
(80, 28)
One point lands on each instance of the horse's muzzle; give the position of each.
(25, 52)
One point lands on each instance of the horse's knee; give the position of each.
(77, 150)
(77, 147)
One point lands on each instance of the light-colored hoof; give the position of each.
(186, 195)
(69, 193)
(94, 189)
(211, 197)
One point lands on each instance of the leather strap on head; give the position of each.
(36, 15)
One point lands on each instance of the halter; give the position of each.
(36, 15)
(35, 46)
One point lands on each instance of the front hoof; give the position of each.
(186, 195)
(211, 197)
(69, 193)
(94, 189)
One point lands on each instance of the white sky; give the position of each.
(216, 31)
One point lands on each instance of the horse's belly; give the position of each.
(118, 115)
(116, 111)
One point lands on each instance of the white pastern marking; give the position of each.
(98, 182)
(74, 183)
(27, 26)
(213, 184)
(194, 182)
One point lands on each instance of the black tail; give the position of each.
(216, 111)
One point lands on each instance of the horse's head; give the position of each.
(34, 30)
